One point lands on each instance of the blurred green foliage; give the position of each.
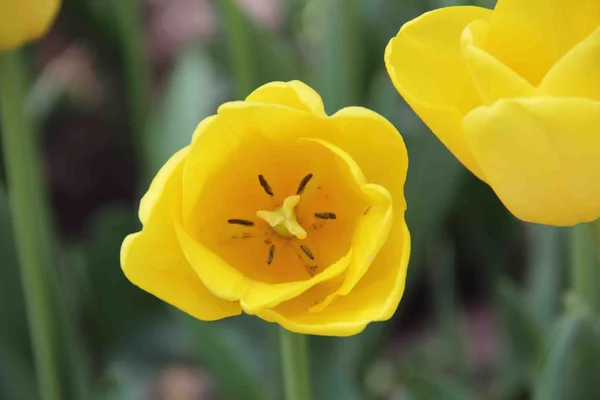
(483, 313)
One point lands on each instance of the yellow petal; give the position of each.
(272, 121)
(371, 232)
(492, 79)
(22, 21)
(378, 149)
(375, 297)
(152, 258)
(425, 63)
(228, 282)
(530, 36)
(541, 156)
(157, 187)
(368, 138)
(383, 159)
(293, 94)
(577, 74)
(213, 145)
(234, 191)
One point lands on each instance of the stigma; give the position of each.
(283, 219)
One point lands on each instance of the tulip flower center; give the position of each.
(281, 211)
(283, 219)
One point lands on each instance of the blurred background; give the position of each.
(117, 86)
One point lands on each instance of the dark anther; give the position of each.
(307, 252)
(244, 222)
(326, 215)
(265, 185)
(367, 210)
(312, 269)
(303, 183)
(271, 254)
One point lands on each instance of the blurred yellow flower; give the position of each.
(281, 211)
(22, 21)
(514, 93)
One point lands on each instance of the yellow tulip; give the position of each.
(514, 93)
(22, 21)
(280, 211)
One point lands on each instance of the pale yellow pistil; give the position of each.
(283, 219)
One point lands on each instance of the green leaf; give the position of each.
(236, 26)
(275, 57)
(127, 21)
(427, 386)
(384, 18)
(434, 180)
(74, 363)
(192, 93)
(523, 335)
(334, 364)
(13, 317)
(337, 39)
(446, 308)
(570, 368)
(239, 353)
(435, 177)
(15, 354)
(16, 374)
(117, 306)
(255, 55)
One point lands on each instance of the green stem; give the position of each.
(595, 229)
(585, 271)
(294, 361)
(29, 218)
(548, 257)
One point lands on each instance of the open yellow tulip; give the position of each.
(22, 21)
(281, 211)
(514, 93)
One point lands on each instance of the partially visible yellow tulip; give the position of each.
(281, 211)
(22, 21)
(514, 93)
